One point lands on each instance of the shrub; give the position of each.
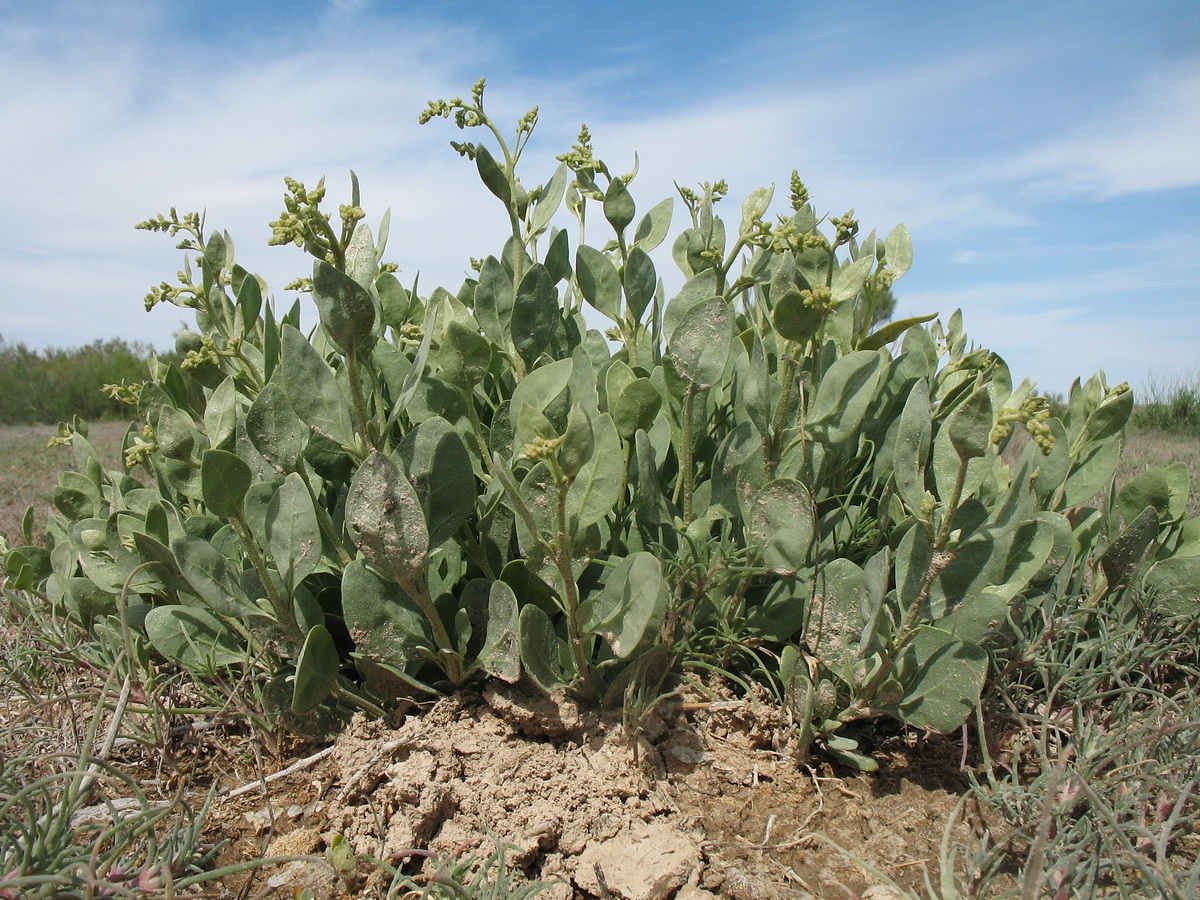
(428, 490)
(55, 385)
(1170, 405)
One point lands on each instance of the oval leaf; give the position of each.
(618, 205)
(346, 309)
(970, 424)
(275, 430)
(316, 671)
(293, 533)
(384, 517)
(598, 281)
(699, 347)
(193, 638)
(781, 525)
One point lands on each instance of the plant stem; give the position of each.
(357, 700)
(723, 269)
(622, 509)
(629, 335)
(477, 428)
(687, 472)
(562, 560)
(333, 244)
(366, 428)
(514, 221)
(284, 614)
(938, 562)
(414, 585)
(787, 375)
(960, 480)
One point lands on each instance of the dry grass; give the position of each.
(1154, 449)
(29, 471)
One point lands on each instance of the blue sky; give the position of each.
(1044, 155)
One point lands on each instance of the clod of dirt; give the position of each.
(742, 886)
(648, 863)
(536, 714)
(467, 771)
(315, 874)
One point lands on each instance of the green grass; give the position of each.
(1169, 404)
(1092, 757)
(77, 822)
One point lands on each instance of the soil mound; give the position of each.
(695, 807)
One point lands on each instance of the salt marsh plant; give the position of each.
(428, 489)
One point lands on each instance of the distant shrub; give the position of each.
(1170, 405)
(54, 384)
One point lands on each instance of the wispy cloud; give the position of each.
(1059, 328)
(1149, 141)
(93, 146)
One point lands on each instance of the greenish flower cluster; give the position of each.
(819, 298)
(185, 295)
(465, 115)
(711, 192)
(205, 355)
(62, 437)
(798, 193)
(351, 214)
(785, 236)
(541, 448)
(302, 217)
(306, 225)
(847, 228)
(883, 279)
(581, 155)
(526, 123)
(1034, 412)
(140, 451)
(125, 393)
(172, 224)
(581, 160)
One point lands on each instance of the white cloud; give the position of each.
(92, 147)
(1147, 142)
(1057, 346)
(1056, 329)
(130, 138)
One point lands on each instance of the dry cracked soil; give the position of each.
(698, 805)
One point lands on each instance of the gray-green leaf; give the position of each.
(699, 347)
(782, 525)
(293, 533)
(346, 309)
(385, 520)
(193, 638)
